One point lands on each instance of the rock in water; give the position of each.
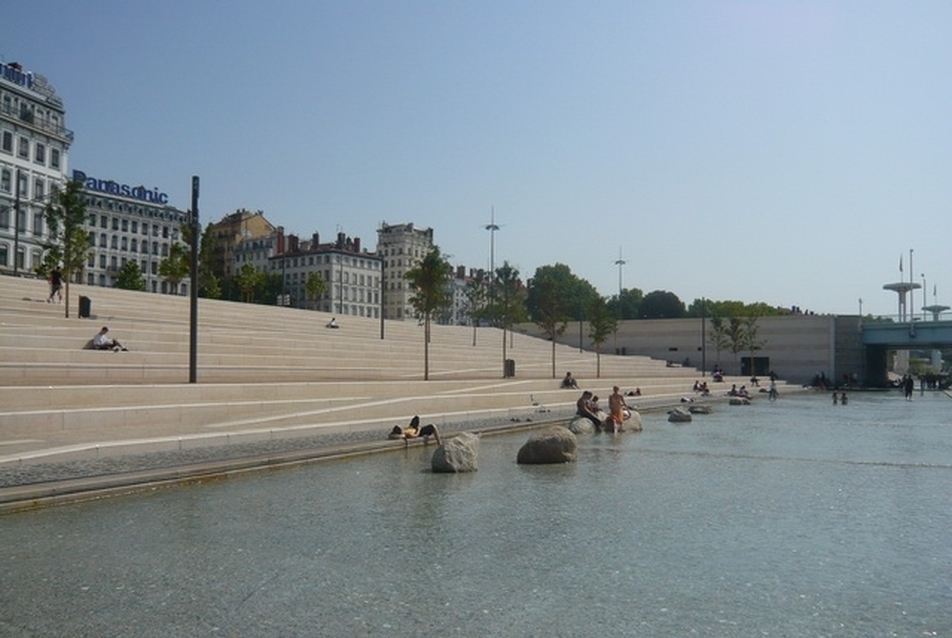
(555, 444)
(459, 454)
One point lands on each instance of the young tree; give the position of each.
(717, 335)
(750, 340)
(210, 256)
(601, 323)
(509, 306)
(429, 279)
(68, 245)
(549, 314)
(735, 338)
(314, 287)
(176, 267)
(477, 299)
(249, 281)
(129, 276)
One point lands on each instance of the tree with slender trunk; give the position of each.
(549, 314)
(68, 245)
(176, 267)
(509, 306)
(477, 299)
(601, 324)
(429, 280)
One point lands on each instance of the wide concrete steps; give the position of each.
(263, 372)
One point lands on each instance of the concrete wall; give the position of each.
(798, 346)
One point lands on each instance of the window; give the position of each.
(24, 149)
(102, 240)
(22, 185)
(135, 227)
(54, 158)
(102, 261)
(155, 248)
(38, 224)
(125, 225)
(5, 178)
(39, 188)
(134, 245)
(145, 228)
(4, 218)
(7, 144)
(4, 255)
(103, 221)
(115, 223)
(115, 242)
(39, 154)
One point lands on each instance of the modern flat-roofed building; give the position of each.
(34, 145)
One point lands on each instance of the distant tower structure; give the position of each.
(936, 310)
(901, 288)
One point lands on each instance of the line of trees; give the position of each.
(554, 296)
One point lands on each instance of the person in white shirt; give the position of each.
(104, 342)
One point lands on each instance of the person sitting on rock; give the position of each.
(333, 323)
(414, 431)
(569, 381)
(583, 407)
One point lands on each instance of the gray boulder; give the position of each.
(739, 401)
(700, 409)
(581, 425)
(556, 444)
(459, 454)
(679, 415)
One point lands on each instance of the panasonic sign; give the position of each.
(122, 190)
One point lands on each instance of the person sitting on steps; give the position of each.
(103, 342)
(569, 381)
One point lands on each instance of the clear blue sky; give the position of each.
(786, 152)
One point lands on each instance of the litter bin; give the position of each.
(510, 368)
(85, 307)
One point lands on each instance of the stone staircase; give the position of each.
(262, 372)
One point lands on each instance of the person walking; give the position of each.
(56, 285)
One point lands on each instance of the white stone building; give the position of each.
(401, 246)
(130, 223)
(34, 145)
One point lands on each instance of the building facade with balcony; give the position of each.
(130, 223)
(401, 247)
(34, 146)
